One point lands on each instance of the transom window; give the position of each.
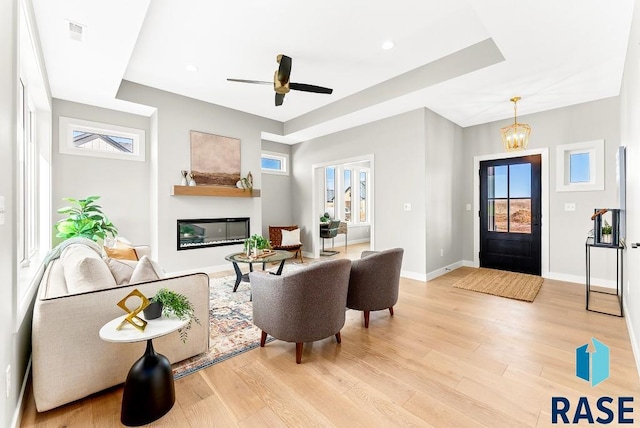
(85, 138)
(274, 163)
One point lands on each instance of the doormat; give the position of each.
(501, 283)
(231, 328)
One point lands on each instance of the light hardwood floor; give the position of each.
(448, 358)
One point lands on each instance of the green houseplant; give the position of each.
(178, 305)
(256, 241)
(85, 219)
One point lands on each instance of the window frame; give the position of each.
(67, 125)
(282, 157)
(596, 166)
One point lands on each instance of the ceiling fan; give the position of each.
(281, 82)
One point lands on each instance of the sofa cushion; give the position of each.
(84, 269)
(146, 270)
(121, 269)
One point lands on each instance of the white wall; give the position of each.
(175, 117)
(123, 185)
(398, 147)
(8, 134)
(276, 192)
(630, 124)
(568, 230)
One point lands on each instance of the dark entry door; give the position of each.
(510, 214)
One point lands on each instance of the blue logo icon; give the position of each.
(593, 366)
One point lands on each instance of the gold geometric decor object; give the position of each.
(516, 136)
(132, 317)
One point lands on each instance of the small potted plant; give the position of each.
(606, 232)
(256, 244)
(169, 302)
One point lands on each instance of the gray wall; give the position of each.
(568, 230)
(276, 192)
(123, 186)
(444, 192)
(630, 112)
(398, 146)
(175, 117)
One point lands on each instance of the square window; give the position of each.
(579, 168)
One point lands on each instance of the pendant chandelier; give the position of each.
(516, 136)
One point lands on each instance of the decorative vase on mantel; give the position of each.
(184, 181)
(192, 181)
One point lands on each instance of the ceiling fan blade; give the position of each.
(258, 82)
(279, 99)
(310, 88)
(284, 70)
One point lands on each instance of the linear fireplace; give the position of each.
(211, 232)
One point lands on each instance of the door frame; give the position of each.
(544, 187)
(317, 192)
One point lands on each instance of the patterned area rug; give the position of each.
(501, 283)
(231, 328)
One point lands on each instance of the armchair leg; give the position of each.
(366, 319)
(263, 339)
(299, 352)
(300, 253)
(391, 310)
(338, 337)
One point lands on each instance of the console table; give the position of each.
(148, 391)
(619, 293)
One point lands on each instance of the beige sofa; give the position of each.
(75, 299)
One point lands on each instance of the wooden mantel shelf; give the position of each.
(225, 191)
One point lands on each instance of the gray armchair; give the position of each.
(374, 281)
(302, 306)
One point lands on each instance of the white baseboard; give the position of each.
(632, 337)
(579, 279)
(469, 263)
(17, 415)
(439, 272)
(413, 275)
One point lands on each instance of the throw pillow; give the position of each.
(84, 270)
(121, 253)
(146, 270)
(121, 270)
(290, 237)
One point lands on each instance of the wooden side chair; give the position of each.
(290, 243)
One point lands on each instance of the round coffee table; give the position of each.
(275, 256)
(148, 391)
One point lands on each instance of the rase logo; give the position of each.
(592, 367)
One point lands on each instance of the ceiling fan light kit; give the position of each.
(281, 83)
(516, 136)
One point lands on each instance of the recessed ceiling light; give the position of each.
(191, 67)
(388, 45)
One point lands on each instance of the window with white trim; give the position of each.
(580, 166)
(86, 138)
(346, 190)
(274, 163)
(27, 219)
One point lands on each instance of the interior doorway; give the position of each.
(343, 189)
